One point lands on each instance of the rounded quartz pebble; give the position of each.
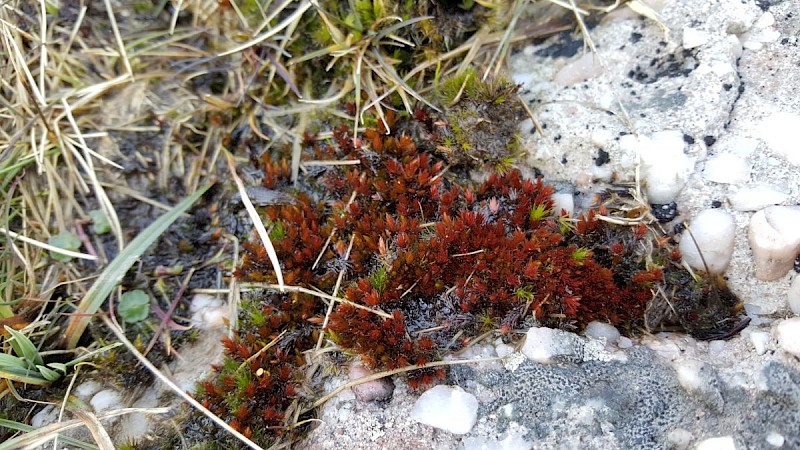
(600, 330)
(788, 335)
(374, 390)
(712, 234)
(717, 443)
(664, 165)
(775, 240)
(448, 408)
(208, 312)
(756, 196)
(548, 346)
(727, 169)
(794, 295)
(105, 400)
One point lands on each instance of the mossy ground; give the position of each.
(418, 263)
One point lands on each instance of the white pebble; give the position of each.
(716, 347)
(779, 130)
(775, 439)
(448, 408)
(86, 389)
(717, 443)
(775, 240)
(712, 235)
(689, 375)
(563, 201)
(756, 196)
(600, 330)
(624, 342)
(664, 166)
(693, 38)
(726, 168)
(548, 346)
(759, 339)
(580, 70)
(794, 295)
(201, 301)
(380, 389)
(105, 400)
(46, 416)
(663, 348)
(788, 335)
(679, 438)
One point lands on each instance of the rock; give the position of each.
(775, 240)
(208, 312)
(788, 335)
(374, 390)
(717, 443)
(601, 330)
(581, 69)
(756, 196)
(664, 166)
(778, 131)
(775, 439)
(794, 295)
(679, 438)
(700, 381)
(448, 408)
(726, 168)
(712, 234)
(693, 38)
(105, 400)
(563, 201)
(548, 346)
(759, 339)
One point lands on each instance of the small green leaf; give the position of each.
(24, 347)
(48, 373)
(100, 223)
(7, 360)
(60, 367)
(134, 306)
(66, 240)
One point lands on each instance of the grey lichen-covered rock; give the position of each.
(642, 404)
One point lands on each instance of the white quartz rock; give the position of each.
(756, 196)
(580, 70)
(726, 168)
(717, 443)
(563, 201)
(105, 400)
(788, 335)
(548, 346)
(693, 38)
(664, 166)
(779, 131)
(448, 408)
(794, 295)
(713, 231)
(774, 237)
(601, 330)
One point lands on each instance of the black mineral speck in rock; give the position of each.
(797, 264)
(709, 140)
(602, 157)
(664, 212)
(688, 139)
(716, 204)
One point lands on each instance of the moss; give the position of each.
(479, 115)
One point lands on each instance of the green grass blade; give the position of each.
(23, 376)
(7, 360)
(24, 347)
(112, 274)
